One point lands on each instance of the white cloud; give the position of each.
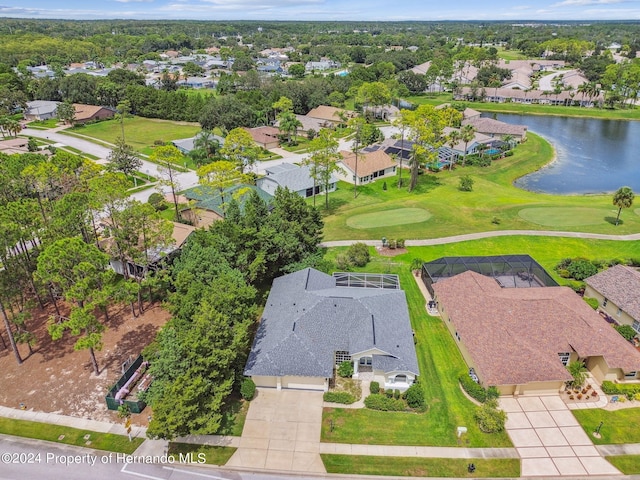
(134, 1)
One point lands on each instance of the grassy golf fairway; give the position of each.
(397, 216)
(566, 217)
(494, 204)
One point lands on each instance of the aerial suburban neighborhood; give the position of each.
(311, 245)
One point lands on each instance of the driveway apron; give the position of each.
(282, 432)
(549, 439)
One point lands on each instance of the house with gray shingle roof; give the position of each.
(521, 339)
(312, 322)
(296, 178)
(618, 292)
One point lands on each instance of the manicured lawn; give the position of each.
(494, 203)
(398, 216)
(566, 217)
(511, 54)
(44, 124)
(534, 109)
(234, 416)
(139, 132)
(440, 365)
(198, 454)
(627, 464)
(619, 426)
(421, 467)
(72, 436)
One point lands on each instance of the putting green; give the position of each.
(388, 218)
(565, 216)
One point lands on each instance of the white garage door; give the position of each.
(303, 383)
(269, 382)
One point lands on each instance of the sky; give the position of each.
(325, 9)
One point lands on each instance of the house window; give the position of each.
(375, 174)
(381, 173)
(365, 361)
(605, 301)
(342, 356)
(400, 379)
(309, 192)
(636, 325)
(630, 375)
(564, 358)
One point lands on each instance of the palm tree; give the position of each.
(207, 141)
(623, 198)
(289, 123)
(510, 140)
(467, 133)
(452, 140)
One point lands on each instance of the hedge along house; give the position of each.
(312, 322)
(617, 290)
(521, 339)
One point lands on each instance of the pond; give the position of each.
(592, 155)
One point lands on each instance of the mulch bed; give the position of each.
(390, 252)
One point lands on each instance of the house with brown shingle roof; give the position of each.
(266, 137)
(90, 113)
(496, 128)
(370, 166)
(520, 339)
(331, 115)
(618, 292)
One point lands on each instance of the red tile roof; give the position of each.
(514, 335)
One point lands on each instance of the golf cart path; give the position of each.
(480, 235)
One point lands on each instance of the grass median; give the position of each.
(69, 435)
(421, 467)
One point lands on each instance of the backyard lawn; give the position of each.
(139, 132)
(440, 365)
(440, 360)
(437, 208)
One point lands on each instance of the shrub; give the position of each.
(495, 221)
(415, 396)
(374, 387)
(579, 373)
(472, 388)
(342, 262)
(339, 397)
(626, 331)
(611, 388)
(581, 268)
(396, 394)
(345, 369)
(592, 302)
(156, 200)
(508, 153)
(636, 396)
(466, 183)
(248, 389)
(159, 143)
(384, 185)
(489, 418)
(389, 393)
(358, 254)
(383, 403)
(492, 393)
(400, 243)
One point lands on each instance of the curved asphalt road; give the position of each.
(186, 180)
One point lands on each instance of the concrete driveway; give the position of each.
(282, 432)
(549, 439)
